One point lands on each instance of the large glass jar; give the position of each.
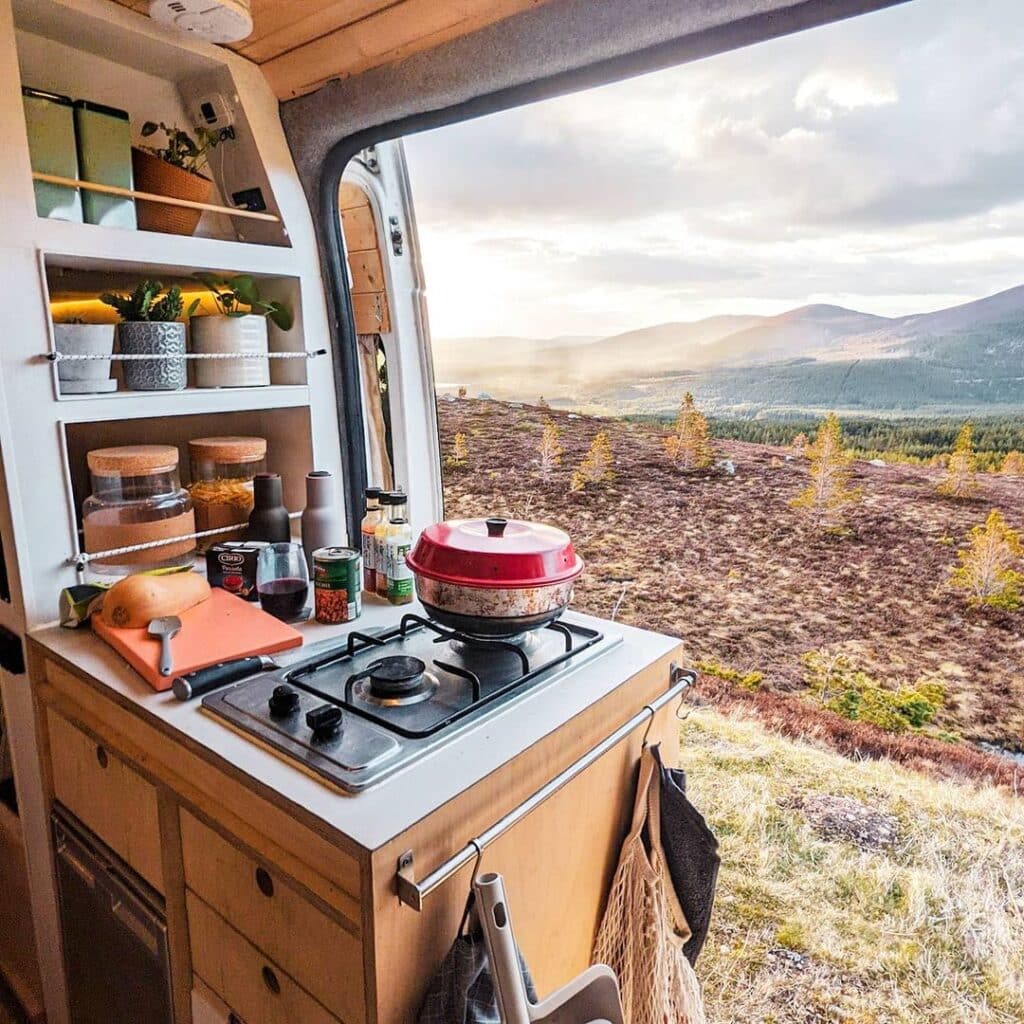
(137, 498)
(222, 490)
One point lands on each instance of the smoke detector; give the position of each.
(217, 21)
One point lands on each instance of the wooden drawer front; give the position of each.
(207, 1007)
(267, 908)
(257, 989)
(108, 797)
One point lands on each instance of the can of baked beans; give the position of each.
(337, 584)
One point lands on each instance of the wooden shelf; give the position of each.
(190, 402)
(88, 246)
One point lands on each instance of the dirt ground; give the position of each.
(724, 563)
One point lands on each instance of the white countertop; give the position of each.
(386, 809)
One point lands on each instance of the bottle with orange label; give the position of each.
(367, 530)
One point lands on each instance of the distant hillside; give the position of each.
(967, 356)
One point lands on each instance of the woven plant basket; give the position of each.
(163, 179)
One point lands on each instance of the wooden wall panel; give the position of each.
(362, 247)
(301, 44)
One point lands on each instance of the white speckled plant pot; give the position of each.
(84, 340)
(153, 339)
(240, 334)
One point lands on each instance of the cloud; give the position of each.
(877, 159)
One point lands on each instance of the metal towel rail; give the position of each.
(413, 893)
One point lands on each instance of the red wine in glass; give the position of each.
(284, 598)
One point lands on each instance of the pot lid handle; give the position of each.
(496, 526)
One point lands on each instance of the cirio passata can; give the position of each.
(337, 584)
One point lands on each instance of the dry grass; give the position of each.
(808, 929)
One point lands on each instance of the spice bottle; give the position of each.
(393, 505)
(367, 530)
(322, 526)
(269, 518)
(400, 582)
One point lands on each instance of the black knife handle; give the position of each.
(203, 680)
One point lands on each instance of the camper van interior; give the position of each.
(299, 710)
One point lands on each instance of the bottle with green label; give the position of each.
(400, 581)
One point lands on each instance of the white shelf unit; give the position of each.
(97, 50)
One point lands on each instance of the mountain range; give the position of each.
(965, 356)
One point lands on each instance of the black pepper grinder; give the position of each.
(269, 518)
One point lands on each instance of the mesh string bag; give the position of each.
(638, 936)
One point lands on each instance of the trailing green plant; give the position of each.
(181, 149)
(145, 304)
(240, 296)
(854, 694)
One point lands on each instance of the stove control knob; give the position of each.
(325, 721)
(284, 701)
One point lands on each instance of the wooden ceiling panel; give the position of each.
(301, 44)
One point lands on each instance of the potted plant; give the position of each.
(240, 327)
(175, 170)
(149, 327)
(74, 337)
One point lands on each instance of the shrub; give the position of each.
(596, 467)
(986, 569)
(1013, 464)
(748, 680)
(689, 445)
(960, 480)
(828, 493)
(855, 695)
(798, 446)
(460, 452)
(550, 450)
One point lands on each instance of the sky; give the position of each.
(876, 163)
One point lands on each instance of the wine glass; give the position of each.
(282, 580)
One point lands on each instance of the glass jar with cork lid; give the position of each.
(222, 472)
(137, 498)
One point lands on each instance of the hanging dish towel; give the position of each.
(638, 937)
(462, 991)
(689, 850)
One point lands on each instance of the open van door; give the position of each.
(389, 310)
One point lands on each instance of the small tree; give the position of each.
(689, 445)
(543, 402)
(1013, 464)
(960, 481)
(550, 450)
(987, 569)
(596, 467)
(828, 494)
(798, 446)
(462, 392)
(460, 452)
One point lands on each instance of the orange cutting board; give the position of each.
(219, 629)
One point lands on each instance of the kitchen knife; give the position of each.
(203, 680)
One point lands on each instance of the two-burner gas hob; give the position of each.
(362, 708)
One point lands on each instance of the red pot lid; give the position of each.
(495, 553)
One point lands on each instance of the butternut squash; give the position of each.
(136, 600)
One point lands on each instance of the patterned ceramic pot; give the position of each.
(156, 339)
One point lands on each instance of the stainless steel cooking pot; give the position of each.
(494, 577)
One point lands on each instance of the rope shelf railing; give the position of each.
(81, 560)
(67, 357)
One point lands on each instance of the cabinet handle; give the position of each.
(264, 882)
(270, 980)
(101, 756)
